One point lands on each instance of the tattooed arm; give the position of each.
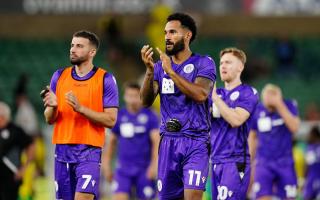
(149, 88)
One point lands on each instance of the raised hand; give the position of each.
(166, 62)
(73, 101)
(146, 56)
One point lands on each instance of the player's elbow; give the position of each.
(236, 123)
(200, 98)
(111, 121)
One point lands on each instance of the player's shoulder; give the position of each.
(61, 69)
(248, 90)
(291, 102)
(149, 111)
(203, 60)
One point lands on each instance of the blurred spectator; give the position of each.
(25, 116)
(312, 184)
(285, 54)
(312, 112)
(112, 37)
(13, 141)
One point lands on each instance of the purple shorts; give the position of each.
(76, 177)
(311, 189)
(183, 164)
(230, 180)
(124, 182)
(275, 179)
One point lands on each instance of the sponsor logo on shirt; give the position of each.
(80, 84)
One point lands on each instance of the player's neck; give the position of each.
(232, 84)
(181, 56)
(133, 109)
(84, 68)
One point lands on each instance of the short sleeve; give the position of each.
(292, 105)
(248, 99)
(153, 120)
(116, 129)
(54, 80)
(207, 68)
(255, 115)
(110, 91)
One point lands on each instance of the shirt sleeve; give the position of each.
(254, 125)
(110, 91)
(248, 100)
(54, 80)
(153, 120)
(207, 68)
(116, 129)
(292, 105)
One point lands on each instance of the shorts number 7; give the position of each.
(86, 182)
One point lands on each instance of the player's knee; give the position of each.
(193, 194)
(83, 196)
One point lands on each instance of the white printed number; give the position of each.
(224, 192)
(167, 86)
(291, 191)
(87, 181)
(191, 175)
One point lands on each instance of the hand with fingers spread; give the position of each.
(73, 101)
(49, 98)
(166, 62)
(146, 55)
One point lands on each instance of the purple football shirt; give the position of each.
(193, 116)
(79, 152)
(274, 138)
(133, 134)
(230, 144)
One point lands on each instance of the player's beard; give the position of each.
(77, 61)
(177, 47)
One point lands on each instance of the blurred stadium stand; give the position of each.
(35, 39)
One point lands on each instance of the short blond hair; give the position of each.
(236, 52)
(5, 111)
(270, 86)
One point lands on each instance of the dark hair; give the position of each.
(93, 38)
(131, 85)
(186, 21)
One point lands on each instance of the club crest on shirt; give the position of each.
(188, 68)
(142, 118)
(234, 95)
